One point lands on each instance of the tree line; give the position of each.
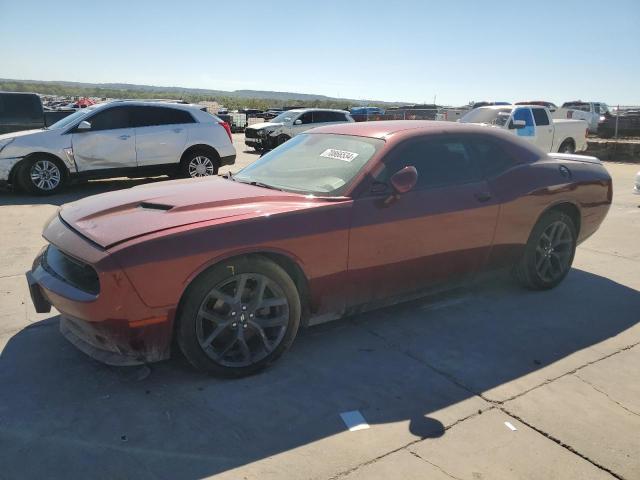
(227, 101)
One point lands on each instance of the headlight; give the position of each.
(5, 142)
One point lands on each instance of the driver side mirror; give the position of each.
(517, 124)
(404, 180)
(298, 122)
(84, 125)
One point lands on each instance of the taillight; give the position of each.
(227, 129)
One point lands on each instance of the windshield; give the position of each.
(74, 117)
(285, 117)
(491, 116)
(322, 164)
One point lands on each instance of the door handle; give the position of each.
(124, 137)
(178, 130)
(483, 196)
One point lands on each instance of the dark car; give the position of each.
(24, 111)
(337, 220)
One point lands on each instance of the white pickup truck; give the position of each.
(533, 123)
(591, 112)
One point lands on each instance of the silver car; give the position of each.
(120, 138)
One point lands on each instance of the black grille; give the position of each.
(250, 133)
(69, 270)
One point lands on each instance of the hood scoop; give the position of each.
(155, 206)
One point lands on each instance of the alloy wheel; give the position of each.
(45, 175)
(201, 166)
(553, 251)
(242, 320)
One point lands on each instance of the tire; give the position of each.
(199, 163)
(282, 139)
(567, 147)
(231, 335)
(41, 175)
(549, 252)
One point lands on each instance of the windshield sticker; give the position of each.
(339, 154)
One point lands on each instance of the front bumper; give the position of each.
(6, 166)
(113, 326)
(254, 142)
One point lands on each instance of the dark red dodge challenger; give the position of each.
(338, 220)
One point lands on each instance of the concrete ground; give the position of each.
(490, 382)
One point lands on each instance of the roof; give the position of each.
(383, 129)
(316, 110)
(183, 106)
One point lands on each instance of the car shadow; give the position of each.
(74, 192)
(411, 370)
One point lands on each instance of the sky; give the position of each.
(455, 51)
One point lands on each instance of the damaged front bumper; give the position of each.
(6, 166)
(113, 326)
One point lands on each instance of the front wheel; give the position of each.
(549, 252)
(238, 317)
(41, 175)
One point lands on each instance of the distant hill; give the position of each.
(49, 87)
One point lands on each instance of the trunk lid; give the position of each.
(575, 158)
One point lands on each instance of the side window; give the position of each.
(489, 156)
(540, 116)
(524, 114)
(337, 117)
(111, 119)
(322, 117)
(153, 116)
(306, 118)
(439, 162)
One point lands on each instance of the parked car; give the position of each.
(591, 112)
(340, 219)
(24, 111)
(121, 138)
(268, 135)
(534, 124)
(552, 107)
(636, 187)
(366, 111)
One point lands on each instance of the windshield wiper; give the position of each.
(264, 185)
(258, 184)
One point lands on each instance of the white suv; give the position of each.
(119, 138)
(267, 135)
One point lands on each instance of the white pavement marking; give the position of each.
(354, 420)
(510, 426)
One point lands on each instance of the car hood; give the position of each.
(22, 133)
(267, 125)
(111, 218)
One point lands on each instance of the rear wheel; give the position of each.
(567, 147)
(549, 252)
(199, 164)
(239, 317)
(41, 175)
